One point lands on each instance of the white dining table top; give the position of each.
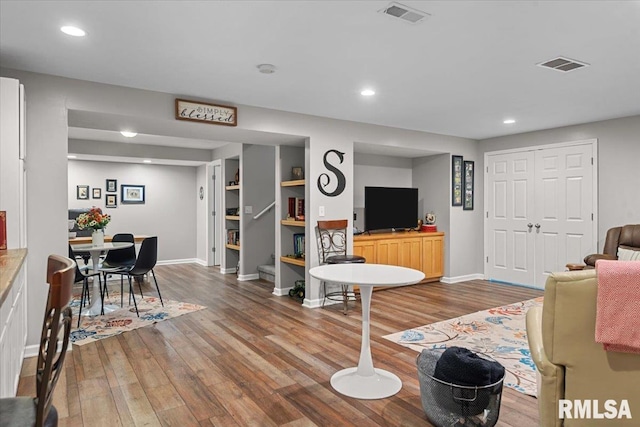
(103, 247)
(367, 274)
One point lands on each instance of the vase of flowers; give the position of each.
(96, 221)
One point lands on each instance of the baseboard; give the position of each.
(228, 270)
(280, 292)
(177, 261)
(200, 262)
(32, 350)
(245, 277)
(312, 303)
(465, 278)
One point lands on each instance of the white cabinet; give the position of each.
(13, 334)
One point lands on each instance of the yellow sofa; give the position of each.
(572, 366)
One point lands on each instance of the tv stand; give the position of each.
(418, 250)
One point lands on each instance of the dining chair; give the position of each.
(81, 276)
(145, 262)
(332, 242)
(39, 411)
(121, 259)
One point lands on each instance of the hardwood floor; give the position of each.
(254, 359)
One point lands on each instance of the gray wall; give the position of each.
(258, 191)
(169, 209)
(618, 164)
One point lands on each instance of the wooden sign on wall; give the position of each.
(206, 113)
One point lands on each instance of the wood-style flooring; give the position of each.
(255, 359)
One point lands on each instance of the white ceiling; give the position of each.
(461, 72)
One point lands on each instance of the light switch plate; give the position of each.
(248, 209)
(321, 211)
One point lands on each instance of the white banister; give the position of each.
(263, 211)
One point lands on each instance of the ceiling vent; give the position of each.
(563, 64)
(406, 13)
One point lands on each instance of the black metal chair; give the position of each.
(121, 259)
(26, 411)
(333, 250)
(83, 277)
(145, 262)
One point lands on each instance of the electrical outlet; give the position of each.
(248, 209)
(321, 211)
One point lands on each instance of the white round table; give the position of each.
(95, 250)
(365, 381)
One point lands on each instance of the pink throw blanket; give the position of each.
(618, 305)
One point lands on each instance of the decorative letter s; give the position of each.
(324, 179)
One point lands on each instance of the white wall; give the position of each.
(618, 161)
(169, 211)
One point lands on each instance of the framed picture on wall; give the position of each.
(82, 192)
(111, 201)
(112, 186)
(97, 193)
(456, 180)
(132, 194)
(468, 185)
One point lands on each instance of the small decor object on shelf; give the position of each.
(430, 218)
(297, 173)
(237, 177)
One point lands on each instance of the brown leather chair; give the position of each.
(627, 237)
(571, 364)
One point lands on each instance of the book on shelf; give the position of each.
(233, 236)
(291, 211)
(299, 209)
(298, 245)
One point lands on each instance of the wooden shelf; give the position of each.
(232, 187)
(295, 183)
(292, 222)
(234, 247)
(232, 217)
(292, 260)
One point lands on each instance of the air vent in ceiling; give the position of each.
(407, 14)
(563, 64)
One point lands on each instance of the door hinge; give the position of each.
(487, 214)
(213, 213)
(487, 259)
(213, 177)
(487, 169)
(591, 217)
(213, 249)
(592, 160)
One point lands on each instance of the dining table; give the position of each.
(365, 381)
(95, 250)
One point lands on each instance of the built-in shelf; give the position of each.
(292, 260)
(234, 247)
(232, 187)
(295, 183)
(232, 217)
(292, 222)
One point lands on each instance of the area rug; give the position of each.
(499, 333)
(124, 319)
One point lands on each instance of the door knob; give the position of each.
(538, 226)
(529, 225)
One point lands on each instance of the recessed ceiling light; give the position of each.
(73, 31)
(72, 157)
(146, 161)
(128, 134)
(368, 92)
(266, 68)
(509, 122)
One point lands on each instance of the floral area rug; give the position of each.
(124, 319)
(499, 333)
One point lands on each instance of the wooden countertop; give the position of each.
(397, 235)
(10, 262)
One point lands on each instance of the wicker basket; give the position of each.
(449, 405)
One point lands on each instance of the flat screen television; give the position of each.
(390, 207)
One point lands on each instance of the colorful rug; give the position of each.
(124, 319)
(499, 333)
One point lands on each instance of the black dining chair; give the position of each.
(145, 262)
(121, 259)
(24, 411)
(83, 277)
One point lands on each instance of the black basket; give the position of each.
(448, 404)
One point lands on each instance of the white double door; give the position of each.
(540, 212)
